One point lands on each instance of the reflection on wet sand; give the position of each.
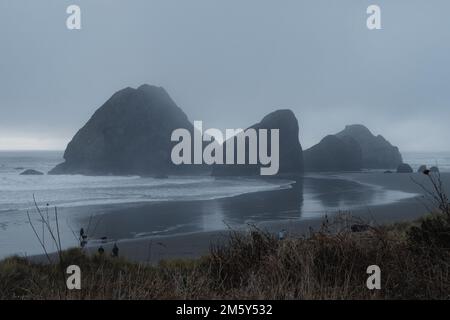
(338, 193)
(194, 216)
(307, 198)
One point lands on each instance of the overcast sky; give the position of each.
(228, 63)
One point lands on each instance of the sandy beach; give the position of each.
(196, 244)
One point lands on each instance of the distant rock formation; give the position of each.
(291, 153)
(333, 154)
(434, 169)
(377, 152)
(31, 172)
(404, 168)
(129, 135)
(422, 169)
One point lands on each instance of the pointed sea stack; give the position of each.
(129, 135)
(291, 153)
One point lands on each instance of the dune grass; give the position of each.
(328, 264)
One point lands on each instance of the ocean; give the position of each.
(16, 191)
(439, 159)
(80, 197)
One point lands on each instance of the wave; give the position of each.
(98, 191)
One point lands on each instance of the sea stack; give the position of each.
(290, 149)
(422, 169)
(333, 154)
(31, 172)
(129, 135)
(377, 152)
(434, 169)
(404, 168)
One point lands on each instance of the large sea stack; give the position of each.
(129, 135)
(333, 154)
(377, 152)
(290, 150)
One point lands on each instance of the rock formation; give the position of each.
(434, 169)
(422, 169)
(377, 152)
(129, 135)
(31, 172)
(333, 154)
(404, 168)
(290, 150)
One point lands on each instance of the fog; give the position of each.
(228, 63)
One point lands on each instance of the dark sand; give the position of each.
(284, 203)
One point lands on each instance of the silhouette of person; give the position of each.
(101, 250)
(82, 239)
(115, 250)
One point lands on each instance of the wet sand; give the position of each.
(193, 244)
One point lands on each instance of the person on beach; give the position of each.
(115, 250)
(82, 238)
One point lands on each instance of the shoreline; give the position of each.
(197, 244)
(191, 245)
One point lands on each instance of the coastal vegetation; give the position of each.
(328, 264)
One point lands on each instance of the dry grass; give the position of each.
(256, 265)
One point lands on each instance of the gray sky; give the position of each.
(228, 63)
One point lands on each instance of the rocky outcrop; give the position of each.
(31, 172)
(290, 150)
(130, 134)
(434, 169)
(422, 169)
(333, 154)
(377, 152)
(404, 168)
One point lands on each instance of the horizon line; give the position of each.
(62, 150)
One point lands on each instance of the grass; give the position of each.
(328, 264)
(414, 259)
